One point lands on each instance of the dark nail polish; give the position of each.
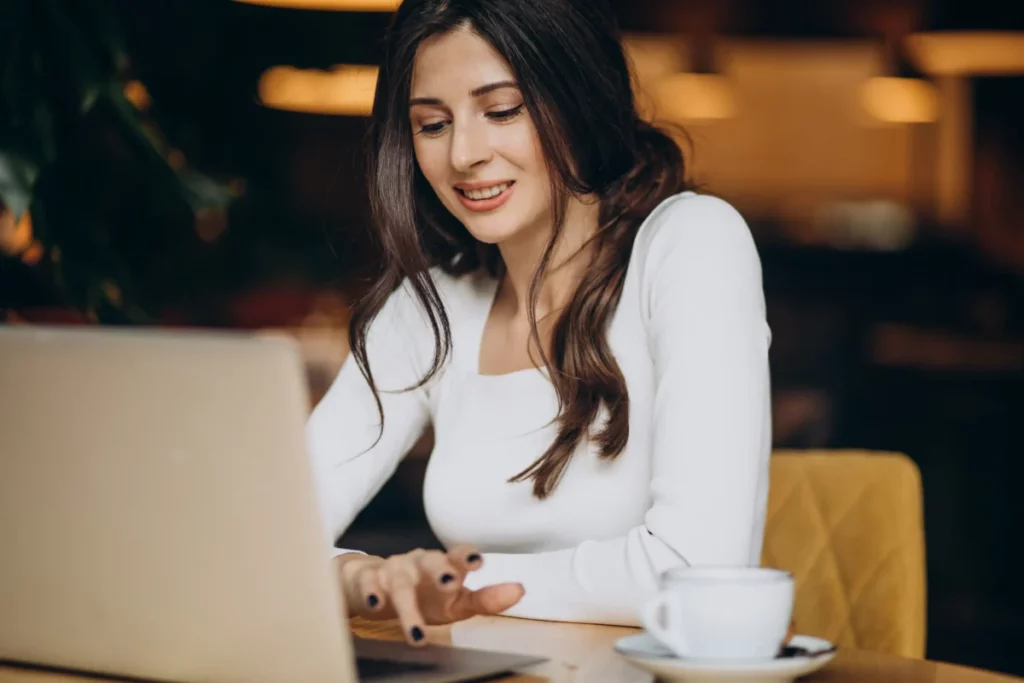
(416, 633)
(475, 557)
(372, 601)
(446, 578)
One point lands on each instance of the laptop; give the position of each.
(158, 517)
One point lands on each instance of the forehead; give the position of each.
(454, 63)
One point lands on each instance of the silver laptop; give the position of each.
(158, 519)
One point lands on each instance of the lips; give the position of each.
(478, 193)
(484, 196)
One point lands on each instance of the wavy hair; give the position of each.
(573, 74)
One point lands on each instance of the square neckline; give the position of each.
(490, 297)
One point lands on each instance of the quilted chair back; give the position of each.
(849, 526)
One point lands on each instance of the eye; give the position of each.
(505, 114)
(433, 128)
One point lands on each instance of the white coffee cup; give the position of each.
(721, 612)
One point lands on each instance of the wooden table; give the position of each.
(582, 653)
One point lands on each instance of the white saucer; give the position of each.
(647, 653)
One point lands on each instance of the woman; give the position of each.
(587, 338)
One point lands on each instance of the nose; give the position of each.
(470, 146)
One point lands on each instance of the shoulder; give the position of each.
(405, 314)
(402, 334)
(456, 292)
(690, 227)
(462, 294)
(697, 251)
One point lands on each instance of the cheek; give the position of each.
(521, 146)
(538, 171)
(526, 153)
(537, 154)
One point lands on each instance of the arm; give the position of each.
(349, 468)
(707, 335)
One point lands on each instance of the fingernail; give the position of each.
(447, 578)
(372, 601)
(416, 633)
(475, 557)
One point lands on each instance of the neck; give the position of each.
(565, 267)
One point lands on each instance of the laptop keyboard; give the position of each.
(370, 669)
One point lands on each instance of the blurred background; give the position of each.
(198, 163)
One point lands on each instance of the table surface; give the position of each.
(582, 653)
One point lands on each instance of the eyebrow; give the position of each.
(476, 92)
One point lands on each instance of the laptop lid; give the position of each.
(157, 516)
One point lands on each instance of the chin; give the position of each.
(492, 232)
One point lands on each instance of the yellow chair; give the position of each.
(849, 526)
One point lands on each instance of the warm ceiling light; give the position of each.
(15, 235)
(694, 97)
(332, 5)
(345, 90)
(968, 52)
(668, 87)
(900, 100)
(136, 93)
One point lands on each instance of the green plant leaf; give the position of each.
(61, 68)
(18, 177)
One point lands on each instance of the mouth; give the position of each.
(487, 197)
(481, 193)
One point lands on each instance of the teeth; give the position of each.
(487, 192)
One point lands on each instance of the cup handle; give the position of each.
(650, 618)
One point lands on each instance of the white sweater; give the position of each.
(691, 487)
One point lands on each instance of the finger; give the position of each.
(400, 579)
(371, 592)
(435, 566)
(493, 599)
(465, 558)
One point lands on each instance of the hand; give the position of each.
(420, 587)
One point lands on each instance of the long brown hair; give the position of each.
(575, 81)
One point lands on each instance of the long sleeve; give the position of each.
(349, 463)
(702, 300)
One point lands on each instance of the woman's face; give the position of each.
(474, 140)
